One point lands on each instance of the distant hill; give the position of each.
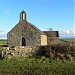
(67, 36)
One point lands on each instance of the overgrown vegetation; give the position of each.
(36, 66)
(60, 51)
(60, 61)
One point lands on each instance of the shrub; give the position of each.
(39, 66)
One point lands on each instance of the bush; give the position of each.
(61, 50)
(39, 66)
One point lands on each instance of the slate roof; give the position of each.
(51, 33)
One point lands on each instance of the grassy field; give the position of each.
(33, 66)
(2, 42)
(68, 40)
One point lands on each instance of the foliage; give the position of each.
(62, 51)
(36, 66)
(41, 65)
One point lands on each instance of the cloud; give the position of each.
(3, 34)
(67, 33)
(62, 33)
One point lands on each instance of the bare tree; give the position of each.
(50, 29)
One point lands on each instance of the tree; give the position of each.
(50, 29)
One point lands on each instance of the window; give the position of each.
(23, 16)
(23, 41)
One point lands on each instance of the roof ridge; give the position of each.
(37, 28)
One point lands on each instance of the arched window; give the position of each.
(23, 41)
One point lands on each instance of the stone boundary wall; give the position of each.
(19, 51)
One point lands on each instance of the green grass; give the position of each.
(33, 66)
(3, 41)
(1, 48)
(68, 40)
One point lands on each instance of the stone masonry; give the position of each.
(25, 34)
(25, 38)
(19, 51)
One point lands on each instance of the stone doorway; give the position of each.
(23, 41)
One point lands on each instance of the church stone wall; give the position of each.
(23, 29)
(26, 34)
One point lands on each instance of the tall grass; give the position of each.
(33, 66)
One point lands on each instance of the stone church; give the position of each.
(27, 34)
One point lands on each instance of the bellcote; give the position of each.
(23, 16)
